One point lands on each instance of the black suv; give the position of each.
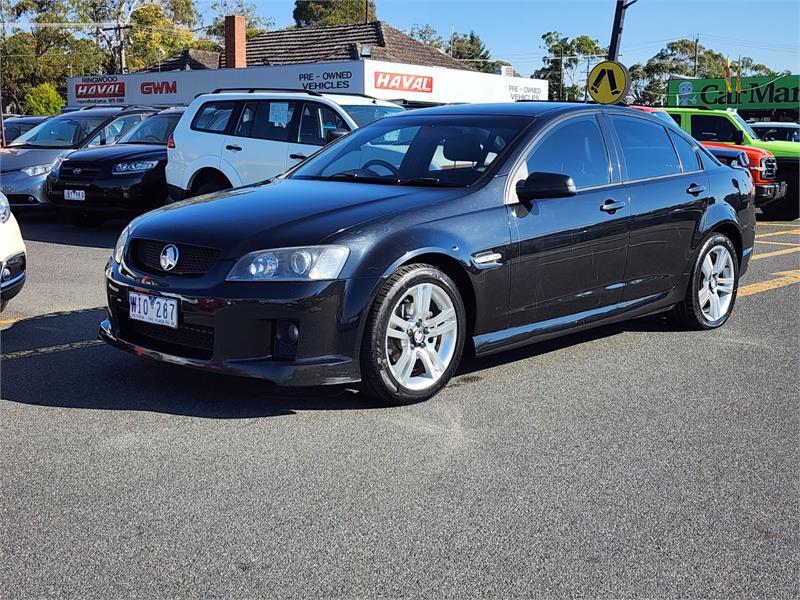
(125, 178)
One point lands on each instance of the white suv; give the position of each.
(231, 138)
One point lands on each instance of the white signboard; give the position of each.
(390, 81)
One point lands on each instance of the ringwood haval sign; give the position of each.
(385, 80)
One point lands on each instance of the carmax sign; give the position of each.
(756, 92)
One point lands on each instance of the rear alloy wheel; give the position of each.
(713, 285)
(414, 337)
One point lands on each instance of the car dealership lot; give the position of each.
(633, 461)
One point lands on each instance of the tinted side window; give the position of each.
(686, 152)
(245, 123)
(711, 128)
(646, 148)
(316, 121)
(213, 117)
(273, 120)
(677, 119)
(575, 148)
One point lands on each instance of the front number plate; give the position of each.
(153, 309)
(75, 195)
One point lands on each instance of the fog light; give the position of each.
(286, 335)
(7, 275)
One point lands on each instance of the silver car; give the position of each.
(26, 162)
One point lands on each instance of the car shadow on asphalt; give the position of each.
(47, 227)
(55, 361)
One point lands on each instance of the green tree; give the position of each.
(327, 13)
(575, 56)
(469, 47)
(153, 37)
(43, 99)
(427, 35)
(255, 23)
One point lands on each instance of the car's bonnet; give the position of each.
(283, 213)
(13, 159)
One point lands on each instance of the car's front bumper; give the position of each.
(24, 191)
(12, 277)
(767, 192)
(239, 328)
(114, 194)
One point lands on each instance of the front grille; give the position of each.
(770, 168)
(190, 341)
(192, 260)
(13, 267)
(86, 172)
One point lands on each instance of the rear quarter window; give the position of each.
(213, 117)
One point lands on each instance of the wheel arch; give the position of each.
(207, 174)
(731, 231)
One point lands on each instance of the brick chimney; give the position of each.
(235, 42)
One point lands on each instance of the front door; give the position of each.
(316, 120)
(572, 251)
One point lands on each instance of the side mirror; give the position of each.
(738, 137)
(545, 185)
(335, 134)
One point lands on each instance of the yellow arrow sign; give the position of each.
(609, 82)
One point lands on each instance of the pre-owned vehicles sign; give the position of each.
(381, 79)
(756, 92)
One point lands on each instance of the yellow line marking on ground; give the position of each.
(774, 233)
(776, 253)
(777, 243)
(50, 349)
(763, 224)
(787, 278)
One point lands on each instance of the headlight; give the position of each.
(315, 263)
(137, 166)
(119, 249)
(5, 209)
(37, 170)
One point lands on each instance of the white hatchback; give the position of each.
(12, 255)
(232, 138)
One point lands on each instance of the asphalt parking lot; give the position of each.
(631, 461)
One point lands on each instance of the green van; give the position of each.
(727, 126)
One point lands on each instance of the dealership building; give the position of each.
(371, 58)
(761, 98)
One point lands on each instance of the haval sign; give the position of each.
(100, 89)
(403, 82)
(158, 87)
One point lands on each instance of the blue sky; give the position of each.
(512, 28)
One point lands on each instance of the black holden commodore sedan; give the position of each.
(385, 255)
(125, 178)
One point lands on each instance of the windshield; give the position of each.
(444, 151)
(367, 113)
(60, 132)
(785, 134)
(745, 126)
(154, 130)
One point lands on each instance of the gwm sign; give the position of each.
(158, 87)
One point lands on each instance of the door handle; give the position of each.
(233, 147)
(612, 206)
(695, 189)
(298, 156)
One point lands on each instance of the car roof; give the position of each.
(510, 109)
(26, 119)
(172, 110)
(773, 124)
(256, 94)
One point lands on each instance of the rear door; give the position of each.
(667, 188)
(316, 120)
(258, 147)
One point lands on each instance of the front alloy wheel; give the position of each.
(414, 335)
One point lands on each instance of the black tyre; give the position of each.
(209, 187)
(713, 285)
(414, 336)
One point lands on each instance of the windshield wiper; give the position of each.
(425, 181)
(356, 178)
